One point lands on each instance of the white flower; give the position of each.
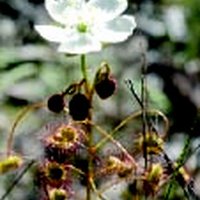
(86, 25)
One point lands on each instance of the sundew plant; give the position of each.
(81, 159)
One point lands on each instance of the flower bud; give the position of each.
(79, 107)
(113, 163)
(10, 163)
(154, 143)
(154, 173)
(122, 168)
(56, 103)
(105, 88)
(58, 194)
(125, 171)
(104, 84)
(153, 178)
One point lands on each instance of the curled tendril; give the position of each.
(18, 119)
(133, 117)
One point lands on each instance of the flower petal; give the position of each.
(106, 10)
(51, 33)
(80, 44)
(58, 9)
(116, 30)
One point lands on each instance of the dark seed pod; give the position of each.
(79, 107)
(105, 88)
(56, 103)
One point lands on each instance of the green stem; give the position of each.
(144, 109)
(129, 119)
(84, 72)
(115, 142)
(18, 119)
(180, 162)
(88, 127)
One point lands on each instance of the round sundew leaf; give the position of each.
(116, 30)
(51, 33)
(106, 10)
(80, 43)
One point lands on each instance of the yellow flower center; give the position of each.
(58, 194)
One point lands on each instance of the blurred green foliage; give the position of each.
(31, 70)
